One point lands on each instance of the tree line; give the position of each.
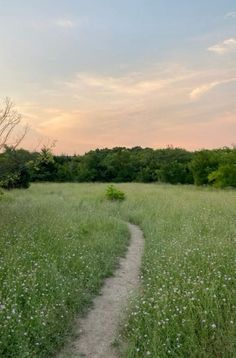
(19, 167)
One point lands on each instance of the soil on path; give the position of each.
(97, 331)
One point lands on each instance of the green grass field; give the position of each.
(59, 241)
(56, 248)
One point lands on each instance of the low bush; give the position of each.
(112, 193)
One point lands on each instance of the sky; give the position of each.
(103, 73)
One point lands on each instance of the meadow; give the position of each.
(59, 241)
(56, 248)
(187, 303)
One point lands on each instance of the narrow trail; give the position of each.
(97, 330)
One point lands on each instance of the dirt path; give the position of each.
(97, 330)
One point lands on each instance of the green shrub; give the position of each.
(112, 193)
(224, 176)
(14, 170)
(19, 180)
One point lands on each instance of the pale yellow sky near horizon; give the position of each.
(154, 108)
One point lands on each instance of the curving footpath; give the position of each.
(97, 331)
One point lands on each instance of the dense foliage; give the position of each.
(170, 165)
(14, 171)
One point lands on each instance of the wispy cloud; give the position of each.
(149, 107)
(65, 23)
(231, 14)
(131, 86)
(201, 90)
(226, 46)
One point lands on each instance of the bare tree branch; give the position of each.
(9, 120)
(21, 136)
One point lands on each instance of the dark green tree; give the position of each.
(45, 167)
(14, 169)
(203, 163)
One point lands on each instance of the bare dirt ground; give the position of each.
(97, 331)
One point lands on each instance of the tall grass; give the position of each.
(59, 241)
(56, 248)
(186, 306)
